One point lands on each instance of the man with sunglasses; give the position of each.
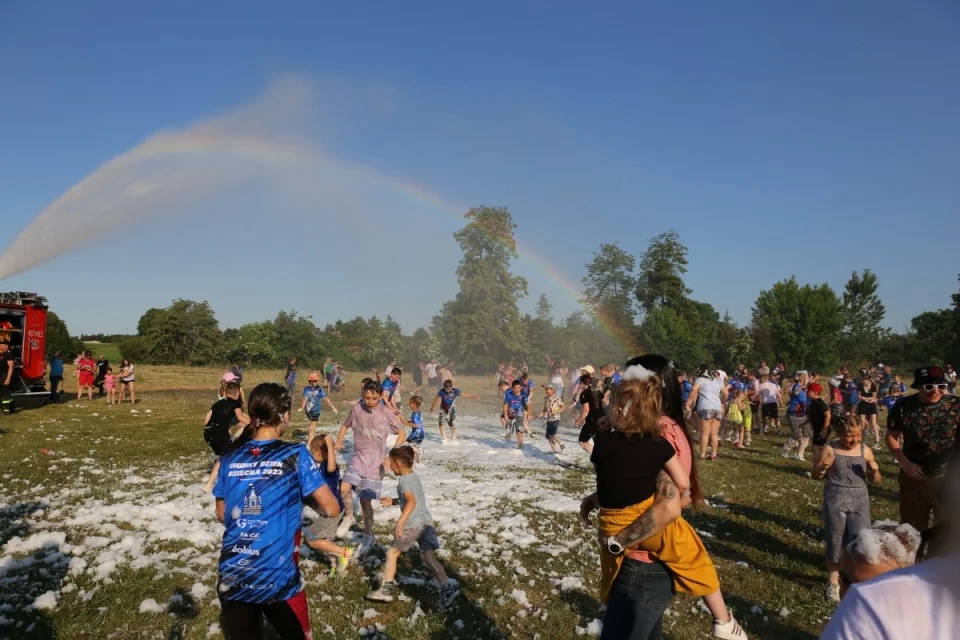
(927, 421)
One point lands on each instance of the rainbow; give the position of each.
(202, 143)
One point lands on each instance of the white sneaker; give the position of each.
(345, 525)
(799, 457)
(729, 630)
(785, 454)
(833, 592)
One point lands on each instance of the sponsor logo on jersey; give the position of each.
(246, 551)
(252, 503)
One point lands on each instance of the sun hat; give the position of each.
(930, 374)
(229, 377)
(588, 368)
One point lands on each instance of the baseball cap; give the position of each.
(814, 388)
(313, 377)
(589, 369)
(229, 377)
(931, 374)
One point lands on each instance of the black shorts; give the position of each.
(588, 431)
(313, 417)
(821, 438)
(770, 410)
(218, 438)
(867, 409)
(289, 618)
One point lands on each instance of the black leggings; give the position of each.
(243, 620)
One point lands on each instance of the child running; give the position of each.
(313, 397)
(372, 422)
(415, 525)
(629, 453)
(321, 534)
(218, 429)
(848, 464)
(735, 411)
(447, 398)
(417, 434)
(552, 409)
(515, 408)
(388, 389)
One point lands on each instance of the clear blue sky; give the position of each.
(779, 138)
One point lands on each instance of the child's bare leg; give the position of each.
(367, 508)
(588, 447)
(312, 431)
(717, 606)
(704, 439)
(833, 571)
(346, 494)
(390, 566)
(519, 439)
(803, 446)
(453, 432)
(431, 561)
(213, 476)
(327, 546)
(443, 434)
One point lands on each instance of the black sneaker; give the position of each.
(449, 591)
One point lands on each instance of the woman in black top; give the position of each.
(867, 409)
(590, 413)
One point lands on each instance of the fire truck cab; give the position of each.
(23, 321)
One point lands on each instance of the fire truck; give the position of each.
(23, 321)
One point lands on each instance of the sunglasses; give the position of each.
(930, 387)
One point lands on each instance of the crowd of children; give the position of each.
(746, 399)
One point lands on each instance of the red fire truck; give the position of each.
(23, 321)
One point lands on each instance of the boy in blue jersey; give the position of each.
(321, 534)
(417, 434)
(388, 389)
(515, 407)
(260, 491)
(313, 397)
(447, 398)
(527, 386)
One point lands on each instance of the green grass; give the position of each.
(768, 516)
(110, 351)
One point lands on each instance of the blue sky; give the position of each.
(811, 138)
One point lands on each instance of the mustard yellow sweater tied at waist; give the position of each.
(678, 546)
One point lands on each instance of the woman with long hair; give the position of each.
(647, 550)
(708, 395)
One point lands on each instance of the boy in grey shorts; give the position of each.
(321, 534)
(415, 525)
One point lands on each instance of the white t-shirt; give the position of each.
(916, 603)
(431, 370)
(130, 376)
(769, 392)
(709, 394)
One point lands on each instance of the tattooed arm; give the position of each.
(667, 507)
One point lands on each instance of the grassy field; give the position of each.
(110, 351)
(113, 522)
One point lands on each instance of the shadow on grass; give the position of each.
(27, 578)
(586, 606)
(771, 627)
(742, 535)
(786, 468)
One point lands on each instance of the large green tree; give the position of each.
(609, 290)
(863, 335)
(58, 338)
(803, 323)
(482, 324)
(660, 280)
(186, 332)
(933, 335)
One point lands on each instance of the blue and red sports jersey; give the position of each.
(416, 434)
(389, 386)
(515, 403)
(263, 484)
(448, 398)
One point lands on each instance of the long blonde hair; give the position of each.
(635, 407)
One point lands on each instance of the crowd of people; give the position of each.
(641, 426)
(93, 375)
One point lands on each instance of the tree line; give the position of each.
(630, 305)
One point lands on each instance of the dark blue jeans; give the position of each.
(640, 595)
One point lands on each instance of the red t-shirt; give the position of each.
(86, 365)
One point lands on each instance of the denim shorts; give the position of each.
(710, 414)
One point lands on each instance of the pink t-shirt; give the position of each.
(370, 432)
(672, 432)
